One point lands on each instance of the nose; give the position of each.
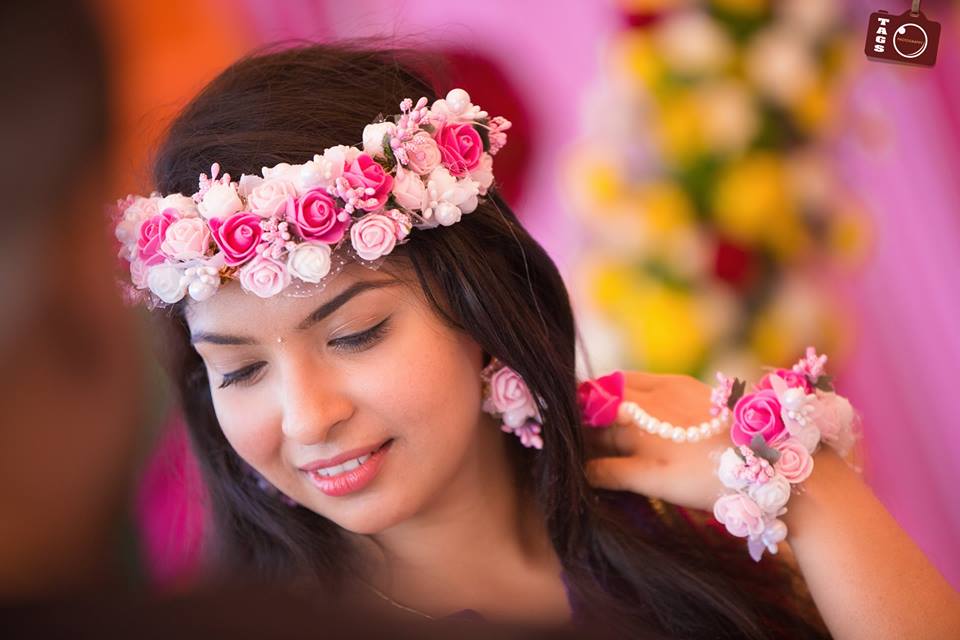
(314, 402)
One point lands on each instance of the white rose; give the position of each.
(444, 189)
(447, 214)
(167, 282)
(772, 494)
(185, 206)
(808, 435)
(483, 173)
(248, 183)
(269, 198)
(322, 171)
(128, 228)
(220, 201)
(203, 282)
(408, 190)
(282, 171)
(310, 261)
(730, 463)
(774, 532)
(373, 137)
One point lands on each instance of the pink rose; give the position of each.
(510, 397)
(791, 377)
(152, 233)
(364, 172)
(373, 235)
(740, 514)
(269, 198)
(423, 154)
(264, 276)
(600, 399)
(316, 217)
(757, 413)
(460, 147)
(237, 236)
(186, 239)
(795, 462)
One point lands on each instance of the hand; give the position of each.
(627, 458)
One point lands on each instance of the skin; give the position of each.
(444, 486)
(866, 575)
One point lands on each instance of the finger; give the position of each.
(613, 440)
(623, 474)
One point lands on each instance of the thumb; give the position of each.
(622, 473)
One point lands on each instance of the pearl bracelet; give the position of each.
(632, 413)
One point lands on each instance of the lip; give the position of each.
(353, 480)
(343, 457)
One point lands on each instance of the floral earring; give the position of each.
(506, 395)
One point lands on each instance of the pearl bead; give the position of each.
(679, 434)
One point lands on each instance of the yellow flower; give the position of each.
(634, 58)
(663, 330)
(750, 196)
(741, 7)
(666, 208)
(678, 126)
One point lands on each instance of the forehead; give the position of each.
(234, 310)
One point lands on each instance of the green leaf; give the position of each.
(388, 153)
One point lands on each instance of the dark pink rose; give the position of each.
(237, 236)
(152, 232)
(315, 216)
(364, 172)
(460, 147)
(757, 413)
(600, 399)
(791, 377)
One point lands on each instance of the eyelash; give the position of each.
(350, 344)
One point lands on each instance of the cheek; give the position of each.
(433, 397)
(249, 425)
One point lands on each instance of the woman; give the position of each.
(389, 369)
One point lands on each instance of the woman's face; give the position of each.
(366, 361)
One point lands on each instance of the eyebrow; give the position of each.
(316, 316)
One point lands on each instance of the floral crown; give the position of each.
(287, 229)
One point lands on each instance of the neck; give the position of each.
(470, 541)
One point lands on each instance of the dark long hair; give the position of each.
(485, 276)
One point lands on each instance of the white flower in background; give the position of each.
(780, 65)
(310, 261)
(692, 42)
(730, 119)
(809, 18)
(373, 137)
(219, 201)
(167, 282)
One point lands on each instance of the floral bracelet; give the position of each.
(776, 430)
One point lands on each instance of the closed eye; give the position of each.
(354, 343)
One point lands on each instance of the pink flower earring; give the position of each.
(507, 396)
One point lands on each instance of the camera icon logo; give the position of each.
(908, 38)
